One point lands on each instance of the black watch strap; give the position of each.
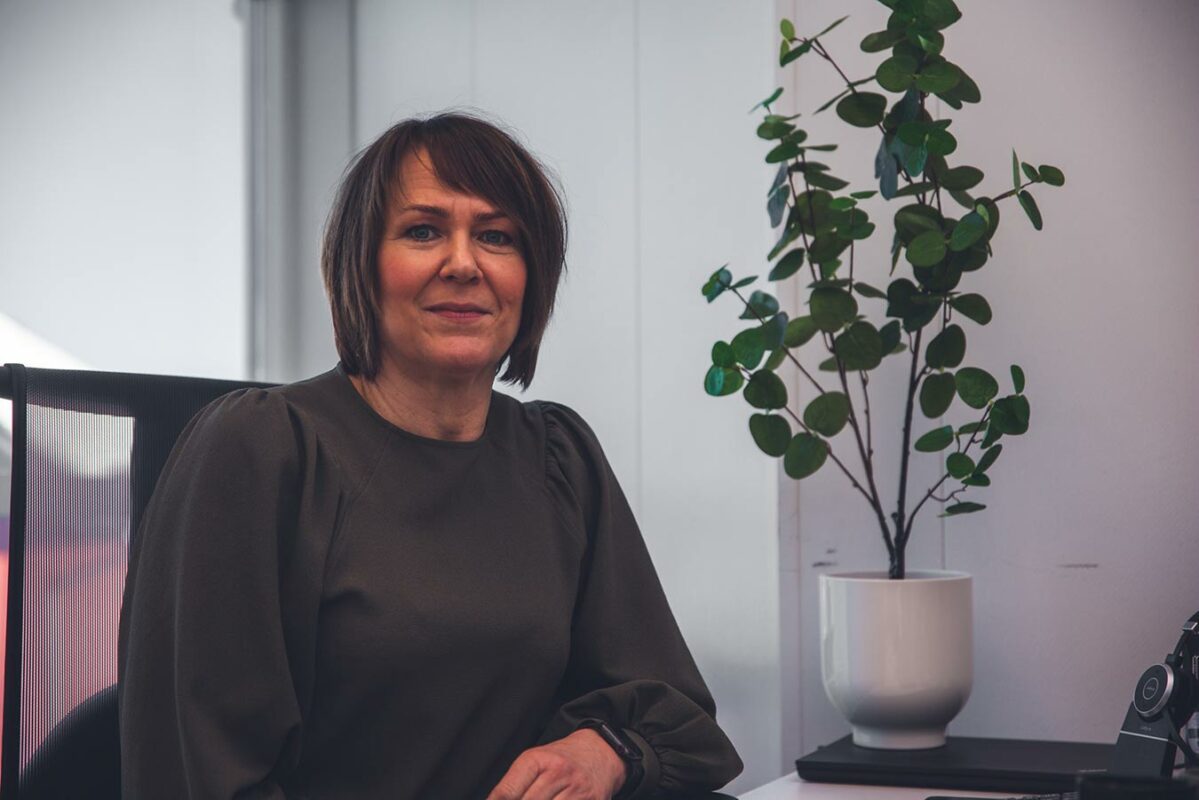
(624, 747)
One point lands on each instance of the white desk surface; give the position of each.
(790, 787)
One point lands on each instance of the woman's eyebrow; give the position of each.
(438, 211)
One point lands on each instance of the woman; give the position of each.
(391, 581)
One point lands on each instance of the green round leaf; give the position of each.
(774, 330)
(976, 387)
(987, 209)
(1018, 378)
(988, 458)
(936, 394)
(805, 454)
(771, 433)
(722, 381)
(773, 96)
(766, 390)
(719, 281)
(866, 290)
(860, 347)
(1030, 171)
(961, 178)
(862, 109)
(963, 508)
(915, 219)
(939, 278)
(1030, 208)
(889, 334)
(931, 43)
(966, 91)
(880, 41)
(774, 129)
(947, 349)
(787, 27)
(914, 158)
(776, 358)
(912, 132)
(827, 413)
(959, 465)
(968, 231)
(787, 56)
(938, 77)
(787, 266)
(897, 73)
(934, 440)
(783, 152)
(1009, 415)
(760, 305)
(926, 249)
(972, 306)
(1052, 175)
(941, 142)
(977, 479)
(722, 355)
(748, 347)
(832, 308)
(799, 331)
(937, 14)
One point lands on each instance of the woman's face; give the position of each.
(451, 279)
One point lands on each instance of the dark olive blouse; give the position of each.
(323, 605)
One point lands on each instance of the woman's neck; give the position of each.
(454, 411)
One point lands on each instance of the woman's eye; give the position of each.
(414, 231)
(504, 239)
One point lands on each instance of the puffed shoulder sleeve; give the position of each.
(629, 665)
(219, 614)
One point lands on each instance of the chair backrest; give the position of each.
(87, 450)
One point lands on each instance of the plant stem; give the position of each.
(869, 425)
(1011, 192)
(823, 53)
(828, 446)
(937, 485)
(906, 454)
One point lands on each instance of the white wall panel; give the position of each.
(709, 496)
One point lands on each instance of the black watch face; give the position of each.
(1153, 691)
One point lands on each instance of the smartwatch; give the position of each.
(626, 748)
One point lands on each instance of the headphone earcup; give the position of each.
(1155, 691)
(1182, 699)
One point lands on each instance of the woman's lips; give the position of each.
(458, 316)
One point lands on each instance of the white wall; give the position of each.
(640, 109)
(1087, 558)
(122, 212)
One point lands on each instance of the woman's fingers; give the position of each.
(519, 777)
(569, 769)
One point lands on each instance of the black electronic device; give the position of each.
(1165, 697)
(964, 762)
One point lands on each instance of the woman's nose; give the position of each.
(460, 264)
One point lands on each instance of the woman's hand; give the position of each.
(581, 766)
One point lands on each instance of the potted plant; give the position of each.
(896, 645)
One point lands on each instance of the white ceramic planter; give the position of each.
(897, 655)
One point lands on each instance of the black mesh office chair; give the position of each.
(87, 450)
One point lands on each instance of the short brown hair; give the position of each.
(470, 155)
